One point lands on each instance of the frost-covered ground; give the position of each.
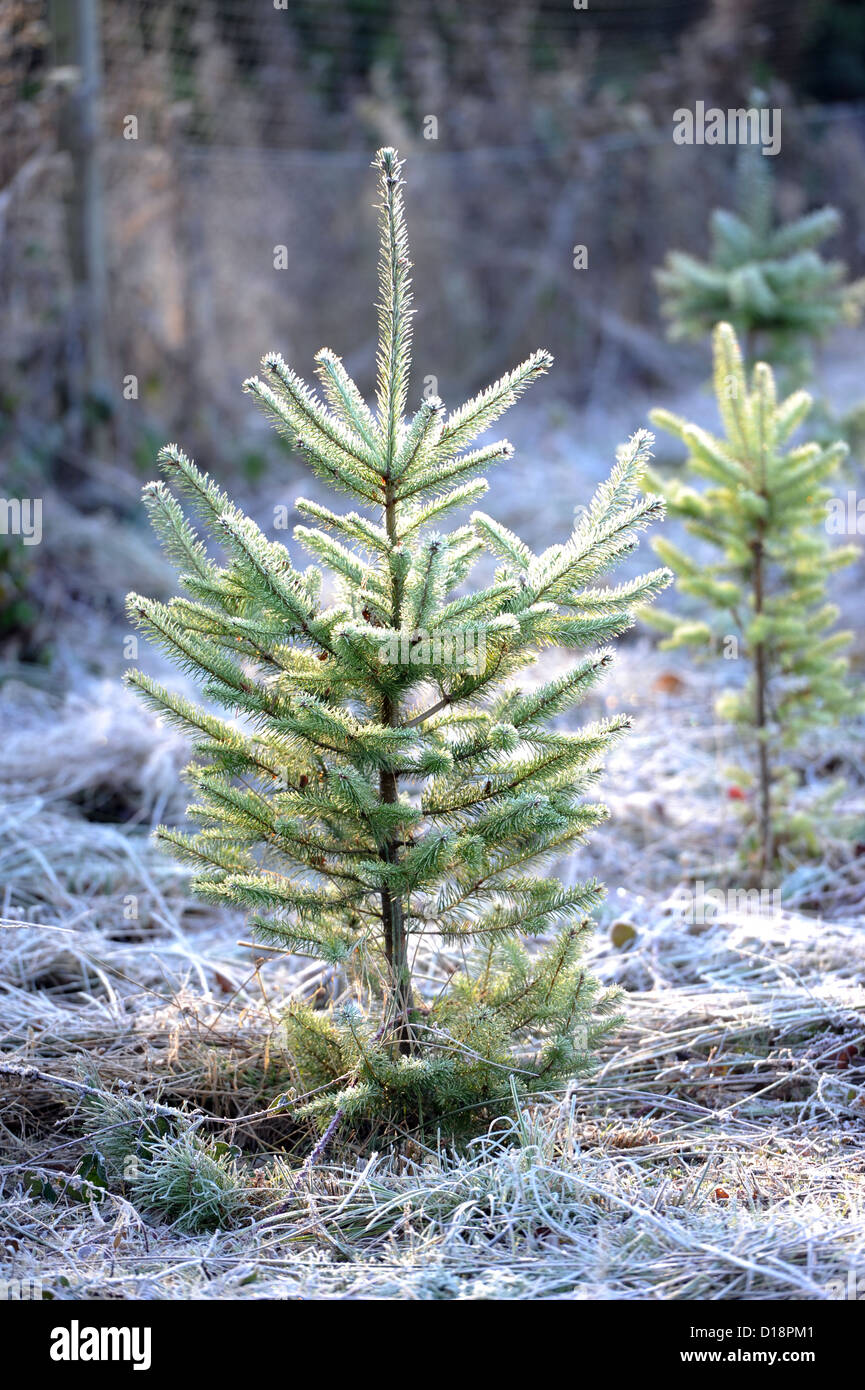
(718, 1153)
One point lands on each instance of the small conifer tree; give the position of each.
(765, 511)
(384, 782)
(768, 280)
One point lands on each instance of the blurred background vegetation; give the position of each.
(184, 185)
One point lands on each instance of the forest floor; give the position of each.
(718, 1152)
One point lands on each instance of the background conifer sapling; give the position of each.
(764, 510)
(371, 795)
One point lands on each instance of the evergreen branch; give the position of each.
(352, 527)
(465, 424)
(314, 423)
(346, 399)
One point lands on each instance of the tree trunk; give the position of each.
(399, 1001)
(83, 136)
(764, 777)
(395, 937)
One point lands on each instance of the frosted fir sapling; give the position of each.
(364, 807)
(764, 510)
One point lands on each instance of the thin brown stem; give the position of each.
(393, 919)
(764, 811)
